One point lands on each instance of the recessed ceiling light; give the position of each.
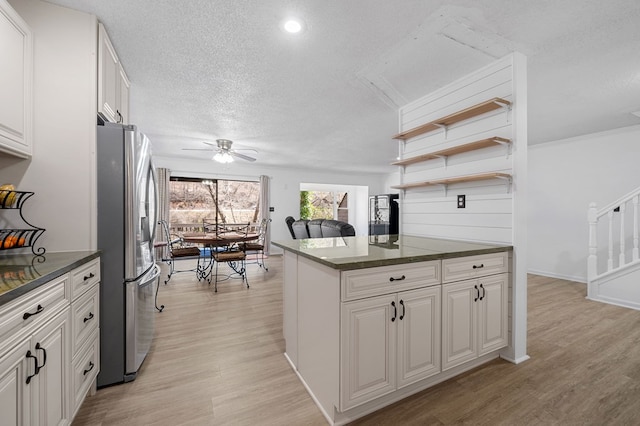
(292, 26)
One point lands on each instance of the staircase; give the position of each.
(613, 268)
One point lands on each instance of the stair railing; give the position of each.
(619, 206)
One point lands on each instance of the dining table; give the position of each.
(214, 242)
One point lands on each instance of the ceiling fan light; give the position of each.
(223, 157)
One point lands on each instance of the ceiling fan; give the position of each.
(224, 153)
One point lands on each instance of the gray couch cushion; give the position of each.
(315, 228)
(300, 230)
(336, 228)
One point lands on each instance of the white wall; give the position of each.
(564, 177)
(285, 184)
(61, 172)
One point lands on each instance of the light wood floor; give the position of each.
(217, 360)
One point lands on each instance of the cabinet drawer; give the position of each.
(85, 317)
(83, 277)
(86, 365)
(369, 282)
(462, 268)
(34, 308)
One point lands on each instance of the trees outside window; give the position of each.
(226, 201)
(324, 205)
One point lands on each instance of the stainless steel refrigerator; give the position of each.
(127, 217)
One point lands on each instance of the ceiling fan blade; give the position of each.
(197, 149)
(246, 149)
(244, 157)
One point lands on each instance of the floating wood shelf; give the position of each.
(457, 179)
(456, 117)
(471, 146)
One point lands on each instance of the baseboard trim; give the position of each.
(582, 280)
(615, 302)
(515, 360)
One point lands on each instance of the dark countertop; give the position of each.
(346, 253)
(21, 273)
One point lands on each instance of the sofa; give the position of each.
(318, 228)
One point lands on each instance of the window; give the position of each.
(227, 201)
(324, 205)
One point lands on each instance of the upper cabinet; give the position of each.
(16, 83)
(113, 84)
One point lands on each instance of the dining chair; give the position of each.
(176, 250)
(232, 255)
(257, 247)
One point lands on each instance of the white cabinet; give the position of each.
(16, 83)
(113, 84)
(35, 358)
(85, 335)
(15, 401)
(49, 349)
(50, 346)
(368, 355)
(123, 104)
(418, 335)
(388, 342)
(474, 318)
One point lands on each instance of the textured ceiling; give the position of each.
(328, 98)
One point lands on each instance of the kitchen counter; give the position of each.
(21, 273)
(347, 253)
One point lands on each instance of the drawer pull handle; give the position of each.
(89, 318)
(403, 308)
(35, 360)
(477, 293)
(91, 365)
(29, 314)
(478, 266)
(484, 292)
(395, 311)
(91, 275)
(392, 279)
(40, 348)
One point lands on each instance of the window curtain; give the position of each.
(163, 176)
(264, 209)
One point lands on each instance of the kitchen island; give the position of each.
(371, 320)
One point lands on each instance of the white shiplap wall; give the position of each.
(432, 211)
(495, 209)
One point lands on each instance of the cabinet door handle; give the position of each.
(88, 277)
(28, 314)
(402, 314)
(484, 292)
(477, 293)
(44, 351)
(91, 365)
(395, 311)
(89, 318)
(392, 279)
(478, 266)
(35, 360)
